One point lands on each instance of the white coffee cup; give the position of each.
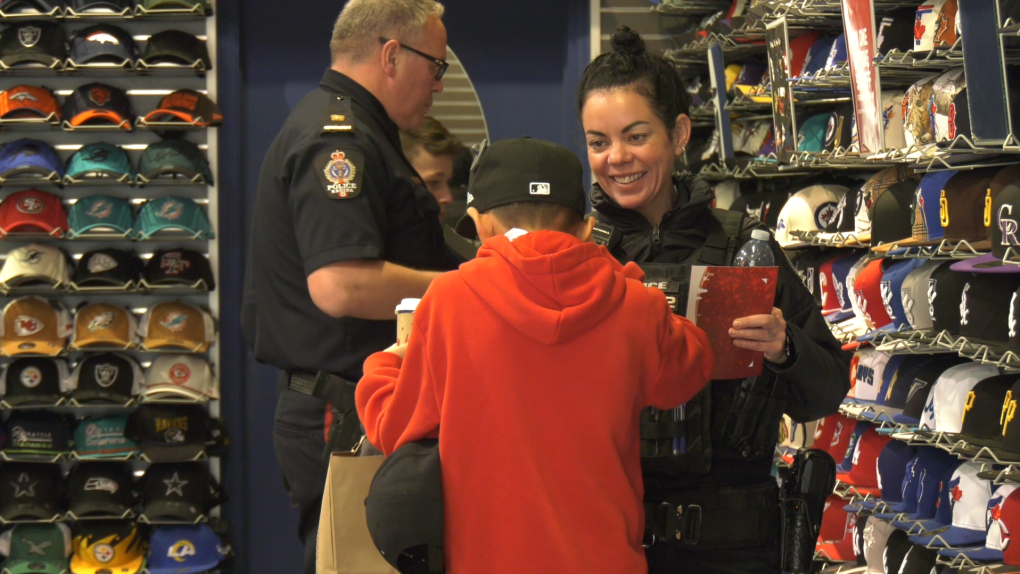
(405, 317)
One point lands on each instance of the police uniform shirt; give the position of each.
(334, 186)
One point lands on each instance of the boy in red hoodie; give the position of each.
(531, 365)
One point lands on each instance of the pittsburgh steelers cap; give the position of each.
(892, 119)
(98, 104)
(102, 43)
(949, 109)
(104, 325)
(38, 434)
(169, 433)
(810, 209)
(100, 490)
(890, 214)
(935, 25)
(997, 537)
(100, 161)
(35, 264)
(1002, 226)
(34, 381)
(33, 42)
(175, 47)
(31, 490)
(36, 548)
(100, 214)
(914, 296)
(176, 376)
(174, 157)
(187, 106)
(985, 307)
(33, 211)
(108, 546)
(184, 549)
(21, 102)
(983, 411)
(103, 438)
(178, 492)
(175, 324)
(920, 390)
(100, 6)
(926, 218)
(32, 325)
(183, 267)
(106, 378)
(948, 399)
(29, 158)
(968, 496)
(107, 268)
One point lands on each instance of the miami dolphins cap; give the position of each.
(32, 491)
(29, 102)
(969, 496)
(100, 490)
(102, 43)
(38, 434)
(106, 378)
(100, 161)
(179, 376)
(104, 325)
(926, 218)
(178, 268)
(34, 382)
(935, 25)
(33, 42)
(918, 128)
(108, 547)
(810, 209)
(178, 492)
(100, 214)
(106, 268)
(100, 7)
(103, 438)
(892, 119)
(176, 47)
(811, 135)
(173, 213)
(185, 549)
(985, 308)
(1001, 225)
(36, 548)
(33, 211)
(169, 433)
(173, 157)
(920, 390)
(998, 536)
(187, 106)
(177, 325)
(32, 325)
(36, 264)
(983, 412)
(98, 104)
(28, 158)
(948, 399)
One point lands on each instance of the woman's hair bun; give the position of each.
(627, 41)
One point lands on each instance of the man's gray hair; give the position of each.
(362, 22)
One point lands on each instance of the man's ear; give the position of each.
(584, 229)
(388, 57)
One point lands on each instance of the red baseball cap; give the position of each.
(864, 474)
(836, 536)
(33, 210)
(833, 435)
(1009, 524)
(830, 300)
(868, 291)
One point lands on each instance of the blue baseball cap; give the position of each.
(848, 463)
(892, 468)
(818, 55)
(28, 156)
(933, 509)
(837, 54)
(185, 549)
(908, 490)
(840, 269)
(926, 217)
(911, 485)
(892, 284)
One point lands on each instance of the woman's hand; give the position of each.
(398, 350)
(762, 333)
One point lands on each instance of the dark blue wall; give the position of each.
(525, 59)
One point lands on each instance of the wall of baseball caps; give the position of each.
(109, 394)
(911, 252)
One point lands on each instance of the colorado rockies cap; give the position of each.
(945, 291)
(178, 267)
(169, 433)
(948, 399)
(103, 438)
(36, 264)
(29, 102)
(104, 325)
(998, 535)
(895, 32)
(33, 42)
(100, 161)
(917, 125)
(100, 490)
(935, 25)
(32, 325)
(914, 296)
(108, 546)
(37, 434)
(178, 492)
(982, 413)
(36, 548)
(102, 43)
(926, 219)
(892, 119)
(840, 269)
(176, 47)
(173, 213)
(925, 379)
(962, 206)
(33, 211)
(175, 158)
(1001, 225)
(28, 158)
(32, 491)
(100, 214)
(890, 214)
(187, 106)
(177, 325)
(811, 135)
(100, 7)
(185, 549)
(985, 307)
(98, 104)
(106, 268)
(173, 377)
(106, 378)
(949, 109)
(968, 498)
(810, 209)
(34, 381)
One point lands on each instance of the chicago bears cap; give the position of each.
(985, 308)
(97, 7)
(914, 296)
(175, 158)
(983, 413)
(106, 378)
(106, 268)
(100, 161)
(103, 438)
(108, 546)
(950, 113)
(968, 498)
(945, 291)
(184, 549)
(32, 491)
(100, 490)
(33, 211)
(102, 43)
(810, 209)
(35, 264)
(98, 104)
(178, 267)
(34, 381)
(935, 25)
(27, 158)
(1001, 225)
(917, 397)
(178, 492)
(176, 47)
(37, 434)
(29, 102)
(948, 399)
(926, 219)
(169, 433)
(176, 376)
(840, 269)
(33, 42)
(36, 548)
(962, 206)
(178, 325)
(917, 125)
(100, 214)
(892, 119)
(32, 325)
(187, 106)
(998, 536)
(811, 135)
(104, 325)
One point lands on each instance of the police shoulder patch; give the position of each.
(341, 172)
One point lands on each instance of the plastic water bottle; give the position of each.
(756, 252)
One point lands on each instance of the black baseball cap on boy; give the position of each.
(520, 170)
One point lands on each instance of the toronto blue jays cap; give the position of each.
(933, 509)
(28, 157)
(184, 549)
(892, 467)
(968, 497)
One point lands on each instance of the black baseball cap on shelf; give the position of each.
(169, 433)
(523, 170)
(896, 31)
(904, 377)
(945, 290)
(175, 47)
(964, 201)
(919, 560)
(1010, 442)
(98, 104)
(107, 268)
(764, 207)
(31, 491)
(102, 43)
(182, 267)
(100, 6)
(1013, 321)
(890, 213)
(838, 131)
(896, 548)
(187, 106)
(203, 5)
(38, 433)
(182, 491)
(106, 378)
(844, 220)
(33, 381)
(33, 42)
(987, 307)
(982, 418)
(100, 490)
(10, 7)
(917, 394)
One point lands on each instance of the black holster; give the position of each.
(811, 480)
(338, 392)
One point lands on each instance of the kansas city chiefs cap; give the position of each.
(36, 264)
(178, 268)
(187, 106)
(106, 378)
(34, 42)
(178, 492)
(100, 490)
(185, 549)
(31, 491)
(36, 548)
(102, 43)
(34, 381)
(106, 268)
(177, 325)
(32, 325)
(173, 377)
(103, 438)
(935, 25)
(33, 211)
(169, 433)
(29, 102)
(176, 47)
(99, 104)
(30, 159)
(100, 161)
(104, 325)
(38, 435)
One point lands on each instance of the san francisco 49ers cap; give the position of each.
(100, 490)
(32, 325)
(102, 43)
(169, 433)
(29, 102)
(33, 211)
(104, 325)
(106, 378)
(178, 267)
(935, 25)
(29, 159)
(177, 325)
(36, 264)
(179, 376)
(187, 106)
(103, 438)
(176, 47)
(106, 268)
(33, 42)
(32, 491)
(100, 214)
(99, 104)
(100, 161)
(178, 492)
(34, 382)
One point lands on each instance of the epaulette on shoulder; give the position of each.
(339, 116)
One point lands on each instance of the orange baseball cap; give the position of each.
(101, 324)
(177, 325)
(187, 106)
(24, 102)
(34, 326)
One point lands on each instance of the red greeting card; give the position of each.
(720, 295)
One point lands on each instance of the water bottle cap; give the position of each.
(760, 235)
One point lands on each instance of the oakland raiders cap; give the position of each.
(32, 491)
(36, 264)
(104, 325)
(917, 124)
(102, 43)
(37, 434)
(33, 211)
(32, 325)
(33, 42)
(173, 158)
(100, 214)
(169, 433)
(29, 159)
(29, 102)
(178, 268)
(34, 381)
(99, 104)
(36, 548)
(100, 490)
(187, 106)
(103, 438)
(102, 546)
(100, 161)
(949, 109)
(176, 47)
(177, 325)
(173, 377)
(106, 378)
(107, 268)
(178, 492)
(185, 549)
(809, 210)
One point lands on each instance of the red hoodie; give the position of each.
(535, 360)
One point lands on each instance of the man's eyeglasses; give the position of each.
(442, 64)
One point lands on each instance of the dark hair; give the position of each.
(629, 65)
(536, 215)
(431, 136)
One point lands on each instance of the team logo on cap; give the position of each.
(30, 377)
(173, 263)
(932, 294)
(173, 436)
(30, 205)
(1008, 227)
(103, 553)
(103, 484)
(174, 321)
(1012, 317)
(101, 321)
(174, 485)
(823, 282)
(29, 36)
(39, 549)
(181, 550)
(340, 171)
(955, 492)
(22, 96)
(100, 96)
(839, 291)
(106, 374)
(171, 210)
(179, 374)
(539, 188)
(862, 304)
(964, 311)
(32, 257)
(24, 486)
(826, 214)
(994, 511)
(887, 295)
(25, 325)
(100, 209)
(908, 305)
(101, 263)
(104, 38)
(836, 435)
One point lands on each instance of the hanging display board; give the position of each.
(785, 122)
(859, 28)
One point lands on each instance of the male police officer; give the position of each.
(343, 230)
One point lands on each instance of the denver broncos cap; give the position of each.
(186, 106)
(810, 209)
(100, 214)
(169, 433)
(178, 492)
(178, 268)
(185, 549)
(173, 213)
(107, 268)
(33, 211)
(36, 548)
(100, 161)
(105, 378)
(100, 490)
(102, 438)
(108, 546)
(104, 325)
(29, 102)
(28, 158)
(179, 376)
(173, 158)
(100, 7)
(32, 491)
(34, 42)
(35, 264)
(32, 325)
(178, 325)
(34, 382)
(102, 44)
(176, 47)
(98, 104)
(935, 25)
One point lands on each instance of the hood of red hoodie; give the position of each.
(548, 285)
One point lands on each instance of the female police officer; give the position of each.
(633, 109)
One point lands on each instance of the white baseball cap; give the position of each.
(936, 22)
(870, 372)
(176, 376)
(35, 263)
(968, 496)
(948, 399)
(810, 209)
(876, 537)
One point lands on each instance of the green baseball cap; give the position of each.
(100, 160)
(100, 438)
(812, 133)
(173, 157)
(173, 213)
(100, 213)
(36, 549)
(203, 6)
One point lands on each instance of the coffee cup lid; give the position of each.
(407, 306)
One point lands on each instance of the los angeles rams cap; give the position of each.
(106, 378)
(37, 435)
(36, 264)
(108, 546)
(29, 102)
(102, 43)
(187, 106)
(33, 211)
(99, 104)
(173, 158)
(185, 549)
(173, 377)
(103, 438)
(175, 324)
(176, 47)
(34, 382)
(100, 161)
(35, 42)
(107, 268)
(33, 491)
(100, 490)
(169, 433)
(104, 325)
(178, 268)
(30, 159)
(178, 492)
(32, 325)
(36, 548)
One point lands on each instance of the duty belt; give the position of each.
(337, 391)
(731, 516)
